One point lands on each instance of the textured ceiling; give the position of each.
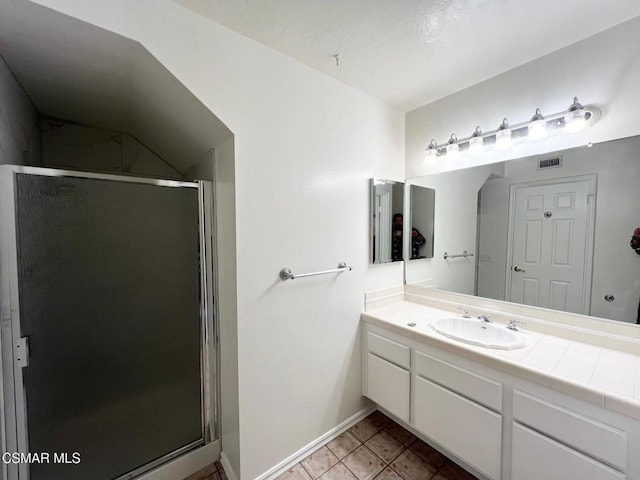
(409, 53)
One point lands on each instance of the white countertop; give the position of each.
(605, 377)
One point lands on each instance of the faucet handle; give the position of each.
(513, 324)
(465, 312)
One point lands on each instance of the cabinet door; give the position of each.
(388, 386)
(468, 430)
(535, 456)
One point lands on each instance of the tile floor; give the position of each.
(376, 448)
(210, 472)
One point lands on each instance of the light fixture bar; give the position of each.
(554, 123)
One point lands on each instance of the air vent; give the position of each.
(554, 162)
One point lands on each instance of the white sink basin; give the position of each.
(478, 332)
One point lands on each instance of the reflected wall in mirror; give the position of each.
(387, 214)
(421, 207)
(550, 231)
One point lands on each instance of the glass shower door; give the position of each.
(108, 282)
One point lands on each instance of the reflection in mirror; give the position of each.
(421, 205)
(387, 200)
(551, 231)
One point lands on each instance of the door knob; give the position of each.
(518, 269)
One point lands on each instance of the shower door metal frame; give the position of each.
(13, 406)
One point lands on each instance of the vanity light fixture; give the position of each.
(476, 142)
(572, 120)
(537, 126)
(503, 135)
(432, 152)
(453, 149)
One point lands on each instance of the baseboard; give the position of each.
(311, 447)
(231, 474)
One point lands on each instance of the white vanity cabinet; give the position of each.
(577, 445)
(457, 409)
(499, 425)
(460, 411)
(387, 376)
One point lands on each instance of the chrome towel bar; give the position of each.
(286, 273)
(463, 254)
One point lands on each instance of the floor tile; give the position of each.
(411, 467)
(388, 474)
(364, 430)
(379, 419)
(363, 463)
(294, 473)
(338, 472)
(404, 436)
(319, 462)
(343, 444)
(385, 446)
(428, 453)
(213, 476)
(451, 471)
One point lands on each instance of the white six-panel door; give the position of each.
(551, 231)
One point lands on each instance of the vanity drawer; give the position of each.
(468, 430)
(388, 386)
(390, 350)
(535, 456)
(477, 388)
(587, 435)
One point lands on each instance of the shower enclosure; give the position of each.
(106, 323)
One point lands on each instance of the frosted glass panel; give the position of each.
(109, 298)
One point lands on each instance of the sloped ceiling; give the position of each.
(75, 71)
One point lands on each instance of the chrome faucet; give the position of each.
(512, 325)
(485, 317)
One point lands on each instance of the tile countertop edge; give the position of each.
(621, 404)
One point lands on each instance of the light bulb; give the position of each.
(476, 142)
(503, 135)
(574, 122)
(537, 127)
(432, 152)
(575, 119)
(453, 150)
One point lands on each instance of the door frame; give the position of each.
(13, 408)
(591, 180)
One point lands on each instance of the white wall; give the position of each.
(615, 265)
(603, 69)
(19, 133)
(305, 147)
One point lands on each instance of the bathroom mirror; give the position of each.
(421, 207)
(387, 215)
(552, 231)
